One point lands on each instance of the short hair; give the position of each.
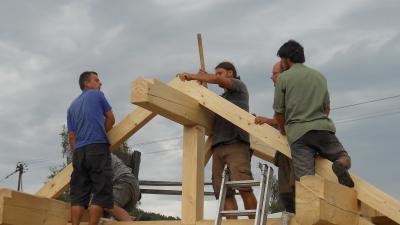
(293, 51)
(84, 77)
(228, 66)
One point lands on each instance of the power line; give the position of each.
(366, 102)
(156, 141)
(167, 150)
(367, 117)
(9, 175)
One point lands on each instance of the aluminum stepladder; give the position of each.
(263, 203)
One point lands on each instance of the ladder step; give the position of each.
(238, 212)
(242, 183)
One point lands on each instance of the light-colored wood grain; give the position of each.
(193, 174)
(366, 193)
(312, 209)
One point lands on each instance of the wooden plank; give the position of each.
(177, 106)
(262, 150)
(270, 221)
(364, 221)
(170, 103)
(312, 209)
(217, 104)
(333, 193)
(58, 185)
(128, 126)
(193, 174)
(21, 208)
(366, 193)
(382, 220)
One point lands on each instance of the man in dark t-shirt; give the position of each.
(231, 144)
(89, 119)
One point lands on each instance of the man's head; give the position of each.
(226, 69)
(290, 53)
(276, 70)
(89, 80)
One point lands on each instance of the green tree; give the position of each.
(146, 216)
(275, 205)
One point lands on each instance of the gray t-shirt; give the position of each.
(123, 173)
(224, 131)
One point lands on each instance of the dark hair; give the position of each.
(293, 51)
(84, 77)
(228, 66)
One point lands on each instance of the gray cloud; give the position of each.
(45, 46)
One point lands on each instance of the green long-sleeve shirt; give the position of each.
(301, 95)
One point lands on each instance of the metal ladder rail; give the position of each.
(265, 194)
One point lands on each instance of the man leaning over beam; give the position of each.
(285, 173)
(231, 145)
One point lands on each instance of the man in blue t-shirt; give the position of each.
(89, 119)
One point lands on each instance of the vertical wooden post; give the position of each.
(193, 174)
(201, 54)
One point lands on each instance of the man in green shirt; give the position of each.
(302, 105)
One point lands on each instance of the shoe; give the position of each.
(342, 174)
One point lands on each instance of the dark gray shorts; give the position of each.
(92, 175)
(315, 142)
(125, 195)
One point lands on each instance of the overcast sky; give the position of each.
(45, 45)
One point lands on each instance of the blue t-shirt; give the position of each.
(86, 118)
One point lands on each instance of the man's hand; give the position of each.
(270, 121)
(184, 76)
(261, 120)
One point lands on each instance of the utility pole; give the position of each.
(21, 168)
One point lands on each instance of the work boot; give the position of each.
(342, 174)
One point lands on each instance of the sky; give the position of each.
(45, 45)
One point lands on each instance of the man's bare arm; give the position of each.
(110, 120)
(71, 139)
(208, 78)
(327, 110)
(281, 122)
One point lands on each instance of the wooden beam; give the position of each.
(364, 221)
(313, 208)
(217, 104)
(19, 208)
(128, 126)
(170, 103)
(58, 185)
(270, 221)
(193, 174)
(366, 193)
(333, 193)
(262, 150)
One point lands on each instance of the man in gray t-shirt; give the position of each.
(231, 145)
(125, 190)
